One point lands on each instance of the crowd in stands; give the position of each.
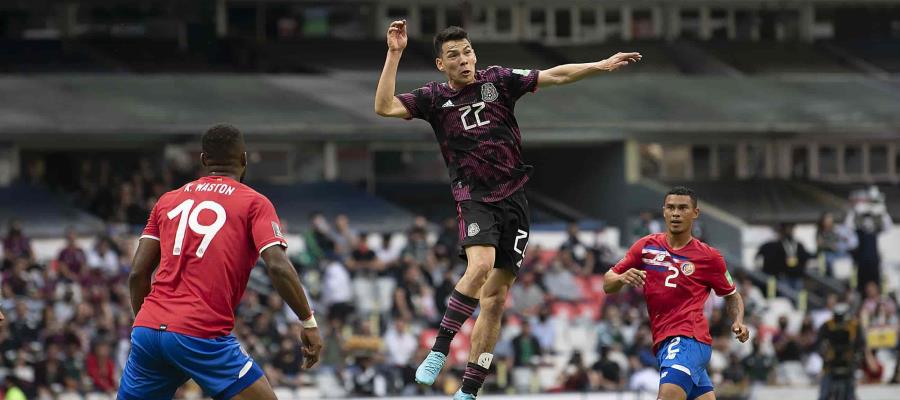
(379, 298)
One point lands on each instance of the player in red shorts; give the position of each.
(676, 272)
(202, 240)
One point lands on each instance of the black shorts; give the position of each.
(503, 224)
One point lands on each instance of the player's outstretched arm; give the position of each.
(386, 105)
(286, 281)
(145, 261)
(734, 306)
(568, 73)
(613, 282)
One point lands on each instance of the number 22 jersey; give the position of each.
(678, 284)
(211, 232)
(477, 131)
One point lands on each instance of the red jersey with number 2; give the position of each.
(211, 232)
(677, 284)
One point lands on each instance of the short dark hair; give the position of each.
(449, 33)
(683, 191)
(223, 142)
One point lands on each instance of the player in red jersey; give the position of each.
(676, 272)
(205, 237)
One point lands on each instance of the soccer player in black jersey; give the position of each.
(472, 117)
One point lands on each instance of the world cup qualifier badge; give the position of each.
(489, 92)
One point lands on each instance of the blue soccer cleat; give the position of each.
(463, 396)
(430, 368)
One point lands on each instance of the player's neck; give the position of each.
(678, 240)
(456, 85)
(227, 174)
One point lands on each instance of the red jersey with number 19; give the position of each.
(211, 232)
(677, 284)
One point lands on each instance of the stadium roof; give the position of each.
(339, 106)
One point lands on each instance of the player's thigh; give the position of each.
(670, 391)
(219, 365)
(480, 228)
(515, 233)
(259, 390)
(147, 374)
(707, 396)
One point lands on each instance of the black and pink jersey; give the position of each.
(477, 130)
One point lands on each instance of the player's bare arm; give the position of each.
(286, 281)
(146, 259)
(2, 318)
(734, 307)
(568, 73)
(386, 105)
(613, 282)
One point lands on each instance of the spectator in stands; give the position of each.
(337, 290)
(786, 343)
(527, 296)
(542, 327)
(417, 250)
(400, 345)
(573, 244)
(646, 225)
(644, 375)
(72, 259)
(49, 372)
(877, 309)
(760, 367)
(387, 254)
(16, 245)
(526, 349)
(868, 217)
(364, 377)
(606, 375)
(287, 362)
(785, 257)
(560, 281)
(104, 257)
(575, 376)
(344, 236)
(832, 242)
(101, 369)
(447, 244)
(317, 238)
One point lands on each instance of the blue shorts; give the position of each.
(160, 362)
(682, 361)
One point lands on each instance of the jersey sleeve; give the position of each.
(265, 226)
(720, 280)
(517, 82)
(418, 102)
(632, 258)
(151, 230)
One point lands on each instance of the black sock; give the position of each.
(459, 309)
(473, 378)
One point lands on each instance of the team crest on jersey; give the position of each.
(489, 92)
(687, 268)
(277, 230)
(473, 229)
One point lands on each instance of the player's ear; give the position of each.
(244, 159)
(439, 64)
(204, 160)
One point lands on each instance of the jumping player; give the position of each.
(472, 118)
(206, 237)
(676, 272)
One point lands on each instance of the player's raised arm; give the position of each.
(386, 105)
(146, 259)
(568, 73)
(734, 307)
(286, 281)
